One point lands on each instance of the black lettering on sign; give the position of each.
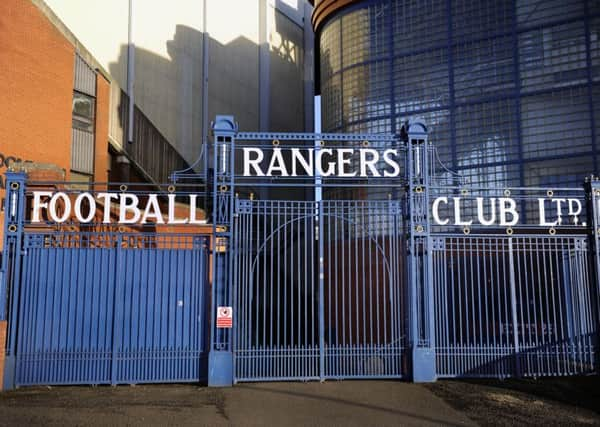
(7, 161)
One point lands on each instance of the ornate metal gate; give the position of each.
(340, 256)
(418, 275)
(295, 321)
(317, 285)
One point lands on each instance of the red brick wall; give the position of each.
(36, 88)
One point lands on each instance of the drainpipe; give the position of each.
(130, 73)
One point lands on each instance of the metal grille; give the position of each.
(85, 77)
(501, 84)
(294, 323)
(510, 306)
(82, 151)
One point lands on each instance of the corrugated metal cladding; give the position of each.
(82, 151)
(85, 77)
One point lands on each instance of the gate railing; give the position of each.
(105, 284)
(474, 281)
(464, 278)
(266, 165)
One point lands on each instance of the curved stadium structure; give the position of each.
(510, 89)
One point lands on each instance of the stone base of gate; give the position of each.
(220, 369)
(423, 365)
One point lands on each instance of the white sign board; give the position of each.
(224, 317)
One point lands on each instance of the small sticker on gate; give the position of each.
(224, 317)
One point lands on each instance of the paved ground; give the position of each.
(348, 403)
(277, 404)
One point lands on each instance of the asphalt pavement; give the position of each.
(548, 402)
(336, 403)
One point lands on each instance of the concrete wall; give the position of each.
(247, 41)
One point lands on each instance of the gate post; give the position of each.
(420, 284)
(592, 188)
(10, 272)
(220, 357)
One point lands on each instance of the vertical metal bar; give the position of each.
(130, 72)
(280, 251)
(272, 267)
(285, 283)
(361, 257)
(356, 284)
(117, 314)
(319, 205)
(513, 300)
(205, 82)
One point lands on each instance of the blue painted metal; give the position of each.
(422, 333)
(124, 314)
(512, 306)
(101, 307)
(316, 284)
(513, 302)
(318, 288)
(341, 286)
(220, 363)
(308, 309)
(14, 211)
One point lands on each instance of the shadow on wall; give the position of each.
(168, 91)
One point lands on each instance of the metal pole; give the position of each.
(513, 306)
(14, 218)
(220, 358)
(130, 73)
(205, 47)
(318, 196)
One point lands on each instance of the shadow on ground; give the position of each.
(349, 403)
(545, 401)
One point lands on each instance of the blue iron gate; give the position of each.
(295, 322)
(341, 256)
(96, 307)
(509, 306)
(375, 278)
(317, 285)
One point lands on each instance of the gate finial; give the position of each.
(224, 124)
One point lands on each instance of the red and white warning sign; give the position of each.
(224, 317)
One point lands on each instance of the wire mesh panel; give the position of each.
(510, 306)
